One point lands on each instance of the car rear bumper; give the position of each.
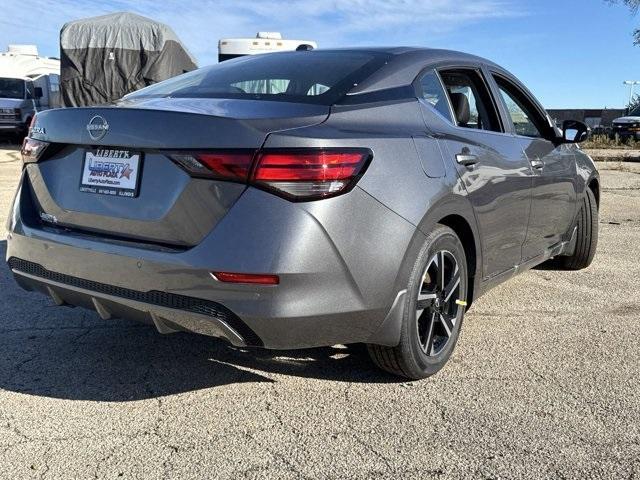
(168, 312)
(329, 293)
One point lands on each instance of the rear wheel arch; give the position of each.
(456, 212)
(463, 230)
(441, 316)
(453, 212)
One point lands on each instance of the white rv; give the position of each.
(264, 42)
(28, 83)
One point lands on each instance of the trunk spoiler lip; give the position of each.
(237, 109)
(161, 127)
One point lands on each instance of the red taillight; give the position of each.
(321, 166)
(253, 278)
(32, 150)
(309, 174)
(230, 165)
(298, 175)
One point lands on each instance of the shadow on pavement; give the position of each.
(72, 354)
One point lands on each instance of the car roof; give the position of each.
(403, 50)
(405, 63)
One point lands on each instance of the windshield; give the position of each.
(11, 88)
(309, 77)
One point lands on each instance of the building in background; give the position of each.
(28, 83)
(264, 42)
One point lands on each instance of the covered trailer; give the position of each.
(104, 58)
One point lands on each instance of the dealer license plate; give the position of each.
(111, 172)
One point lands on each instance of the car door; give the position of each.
(495, 175)
(553, 166)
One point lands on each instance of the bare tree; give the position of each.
(634, 6)
(634, 104)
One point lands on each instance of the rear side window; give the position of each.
(433, 93)
(471, 102)
(309, 77)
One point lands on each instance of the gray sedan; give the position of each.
(305, 199)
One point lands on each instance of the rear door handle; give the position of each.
(466, 159)
(537, 164)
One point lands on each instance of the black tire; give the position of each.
(409, 358)
(586, 236)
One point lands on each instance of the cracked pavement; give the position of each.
(543, 384)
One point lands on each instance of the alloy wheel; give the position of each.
(438, 302)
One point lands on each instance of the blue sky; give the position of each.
(571, 53)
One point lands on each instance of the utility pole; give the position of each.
(631, 84)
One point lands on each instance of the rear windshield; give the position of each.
(309, 77)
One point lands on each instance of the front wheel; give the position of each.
(586, 235)
(434, 309)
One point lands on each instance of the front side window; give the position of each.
(433, 93)
(522, 113)
(309, 77)
(470, 100)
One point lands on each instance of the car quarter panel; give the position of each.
(396, 177)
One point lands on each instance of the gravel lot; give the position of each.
(543, 384)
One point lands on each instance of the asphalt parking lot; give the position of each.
(543, 384)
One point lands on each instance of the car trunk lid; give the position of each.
(165, 205)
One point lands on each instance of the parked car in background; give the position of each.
(28, 84)
(628, 127)
(371, 199)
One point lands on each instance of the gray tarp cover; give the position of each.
(106, 57)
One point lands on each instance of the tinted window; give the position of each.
(311, 77)
(434, 94)
(470, 100)
(523, 114)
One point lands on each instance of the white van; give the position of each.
(28, 83)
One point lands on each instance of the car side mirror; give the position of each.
(574, 131)
(37, 92)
